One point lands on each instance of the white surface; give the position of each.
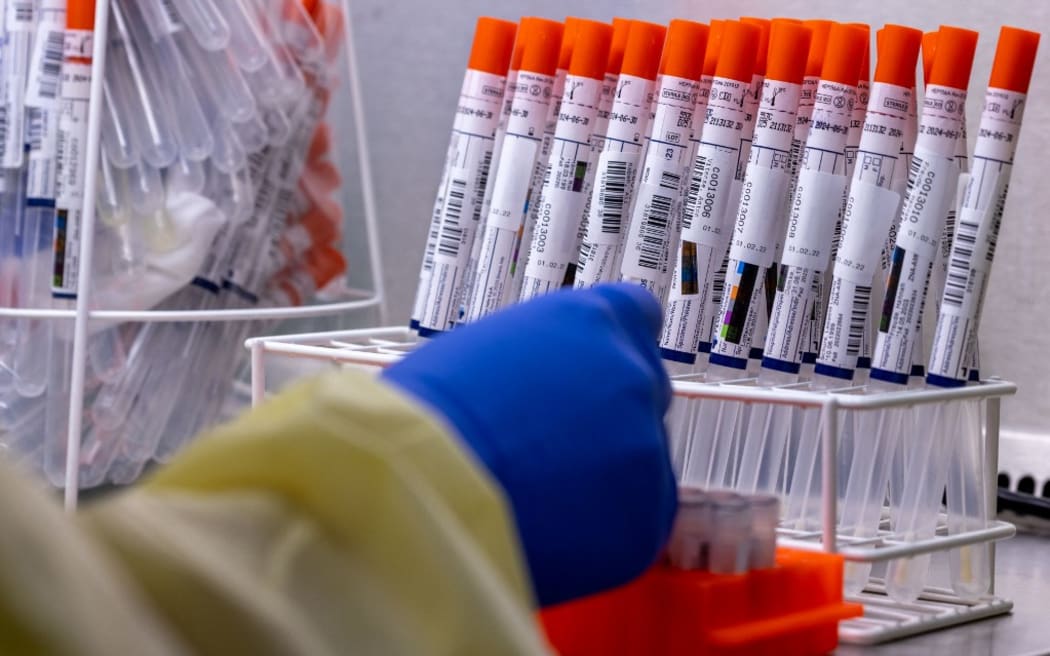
(417, 49)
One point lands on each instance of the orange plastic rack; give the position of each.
(791, 609)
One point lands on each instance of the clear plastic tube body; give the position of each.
(131, 80)
(217, 76)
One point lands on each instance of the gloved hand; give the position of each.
(563, 400)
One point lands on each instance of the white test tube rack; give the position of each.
(884, 618)
(354, 299)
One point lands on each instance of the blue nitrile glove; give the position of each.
(563, 399)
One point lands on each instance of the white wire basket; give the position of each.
(884, 618)
(361, 289)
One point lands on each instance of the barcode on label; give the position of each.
(718, 283)
(432, 240)
(670, 180)
(483, 181)
(23, 11)
(959, 262)
(451, 229)
(611, 197)
(586, 248)
(655, 232)
(692, 197)
(50, 71)
(3, 130)
(35, 128)
(858, 319)
(914, 168)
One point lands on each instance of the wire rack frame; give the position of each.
(884, 618)
(358, 299)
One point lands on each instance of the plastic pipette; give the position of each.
(606, 98)
(468, 177)
(618, 164)
(970, 260)
(510, 185)
(872, 206)
(712, 196)
(807, 251)
(758, 222)
(563, 194)
(652, 235)
(493, 41)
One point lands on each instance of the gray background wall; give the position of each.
(411, 57)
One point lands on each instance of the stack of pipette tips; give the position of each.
(770, 182)
(215, 191)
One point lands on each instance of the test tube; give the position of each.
(872, 206)
(524, 242)
(712, 196)
(18, 28)
(32, 343)
(606, 97)
(807, 245)
(511, 92)
(691, 534)
(729, 546)
(490, 52)
(246, 48)
(117, 140)
(563, 194)
(464, 189)
(969, 265)
(653, 229)
(618, 164)
(205, 22)
(758, 224)
(297, 29)
(933, 179)
(184, 176)
(151, 120)
(217, 77)
(765, 513)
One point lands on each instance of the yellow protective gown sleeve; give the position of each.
(337, 518)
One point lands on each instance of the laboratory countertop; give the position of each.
(1022, 569)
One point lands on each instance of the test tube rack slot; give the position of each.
(884, 618)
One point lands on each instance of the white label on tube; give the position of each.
(797, 290)
(655, 219)
(511, 185)
(629, 116)
(561, 203)
(758, 221)
(19, 16)
(931, 185)
(45, 64)
(14, 69)
(470, 154)
(43, 142)
(72, 146)
(715, 166)
(941, 125)
(818, 198)
(865, 226)
(616, 174)
(847, 327)
(977, 231)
